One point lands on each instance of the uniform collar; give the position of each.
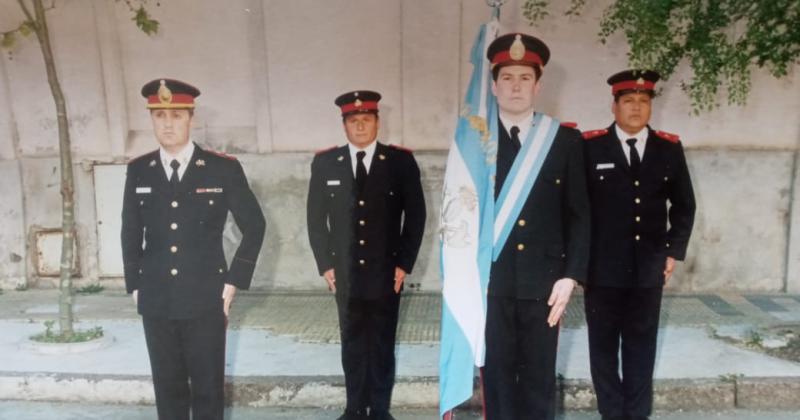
(183, 157)
(641, 136)
(524, 126)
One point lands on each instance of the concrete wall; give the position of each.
(269, 71)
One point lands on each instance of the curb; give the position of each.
(409, 392)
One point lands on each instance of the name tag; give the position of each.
(605, 165)
(334, 182)
(208, 190)
(143, 190)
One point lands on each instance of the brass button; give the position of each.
(521, 222)
(638, 200)
(638, 219)
(221, 270)
(558, 181)
(636, 182)
(667, 244)
(174, 204)
(333, 195)
(361, 203)
(362, 242)
(520, 247)
(602, 177)
(637, 237)
(173, 249)
(362, 222)
(173, 226)
(362, 262)
(141, 203)
(210, 202)
(174, 271)
(666, 178)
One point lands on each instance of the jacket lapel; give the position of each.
(614, 150)
(191, 174)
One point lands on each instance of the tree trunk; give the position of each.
(65, 317)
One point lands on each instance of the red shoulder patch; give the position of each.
(405, 149)
(321, 151)
(222, 155)
(588, 135)
(569, 124)
(672, 138)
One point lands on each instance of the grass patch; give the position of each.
(91, 289)
(49, 336)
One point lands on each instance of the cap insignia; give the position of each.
(382, 157)
(164, 94)
(340, 158)
(152, 163)
(640, 81)
(517, 50)
(358, 103)
(200, 162)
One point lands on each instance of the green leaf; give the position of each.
(8, 40)
(143, 20)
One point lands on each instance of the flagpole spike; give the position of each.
(495, 5)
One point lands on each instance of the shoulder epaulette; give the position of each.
(672, 138)
(139, 157)
(222, 155)
(569, 124)
(405, 149)
(588, 135)
(321, 151)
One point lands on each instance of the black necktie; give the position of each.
(361, 170)
(515, 138)
(173, 179)
(635, 161)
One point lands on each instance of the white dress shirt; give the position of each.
(370, 150)
(524, 126)
(641, 139)
(183, 157)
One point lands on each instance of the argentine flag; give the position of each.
(466, 228)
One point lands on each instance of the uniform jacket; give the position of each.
(550, 238)
(363, 238)
(172, 240)
(630, 239)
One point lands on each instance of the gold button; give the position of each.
(174, 204)
(638, 219)
(221, 270)
(602, 177)
(520, 247)
(210, 202)
(521, 222)
(558, 181)
(637, 237)
(173, 249)
(667, 244)
(362, 222)
(391, 192)
(361, 203)
(362, 262)
(173, 226)
(174, 271)
(141, 203)
(636, 183)
(638, 200)
(333, 195)
(362, 242)
(666, 178)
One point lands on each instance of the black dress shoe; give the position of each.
(353, 415)
(380, 415)
(614, 418)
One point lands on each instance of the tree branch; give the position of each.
(26, 11)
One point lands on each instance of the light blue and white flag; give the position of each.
(467, 220)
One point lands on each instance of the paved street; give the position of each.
(58, 411)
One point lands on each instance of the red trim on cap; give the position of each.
(632, 85)
(504, 56)
(365, 106)
(177, 98)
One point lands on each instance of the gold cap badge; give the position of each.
(164, 94)
(640, 81)
(517, 50)
(357, 103)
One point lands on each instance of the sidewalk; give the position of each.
(283, 351)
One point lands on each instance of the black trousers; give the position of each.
(519, 375)
(623, 320)
(368, 330)
(187, 358)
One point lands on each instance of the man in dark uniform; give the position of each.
(366, 216)
(546, 253)
(176, 201)
(638, 180)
